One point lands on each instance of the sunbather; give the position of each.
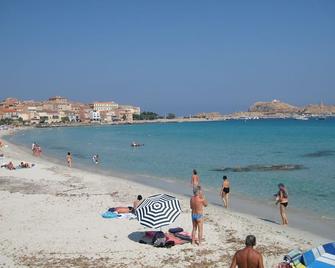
(24, 165)
(9, 166)
(122, 210)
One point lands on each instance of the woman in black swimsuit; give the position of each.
(225, 189)
(282, 199)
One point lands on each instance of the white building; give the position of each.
(95, 116)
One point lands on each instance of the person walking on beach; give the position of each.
(195, 180)
(282, 199)
(197, 204)
(224, 193)
(69, 159)
(248, 257)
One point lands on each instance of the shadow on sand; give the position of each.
(136, 236)
(267, 220)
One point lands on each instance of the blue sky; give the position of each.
(169, 56)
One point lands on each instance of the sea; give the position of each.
(255, 155)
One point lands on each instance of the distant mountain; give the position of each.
(278, 107)
(274, 107)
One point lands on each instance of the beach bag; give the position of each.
(159, 239)
(175, 230)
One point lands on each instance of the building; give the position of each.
(133, 109)
(58, 99)
(95, 116)
(105, 106)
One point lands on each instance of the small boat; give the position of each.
(301, 117)
(134, 144)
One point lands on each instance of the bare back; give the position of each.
(247, 258)
(197, 204)
(195, 180)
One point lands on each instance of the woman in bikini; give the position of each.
(224, 193)
(282, 199)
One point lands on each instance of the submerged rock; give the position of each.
(320, 153)
(261, 168)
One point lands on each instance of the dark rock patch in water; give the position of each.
(322, 153)
(80, 156)
(261, 168)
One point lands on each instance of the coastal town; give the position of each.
(60, 111)
(57, 110)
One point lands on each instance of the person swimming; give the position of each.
(95, 159)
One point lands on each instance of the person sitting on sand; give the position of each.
(9, 166)
(224, 193)
(137, 202)
(69, 159)
(282, 199)
(24, 165)
(248, 257)
(197, 204)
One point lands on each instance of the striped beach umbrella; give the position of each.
(320, 257)
(158, 210)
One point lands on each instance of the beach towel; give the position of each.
(110, 215)
(126, 216)
(176, 240)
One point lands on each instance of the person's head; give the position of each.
(68, 153)
(281, 186)
(250, 241)
(224, 178)
(195, 172)
(21, 163)
(139, 197)
(197, 190)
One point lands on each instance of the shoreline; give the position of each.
(50, 217)
(300, 219)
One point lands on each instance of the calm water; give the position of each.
(171, 151)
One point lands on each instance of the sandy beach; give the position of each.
(50, 216)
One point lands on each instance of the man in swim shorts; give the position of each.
(248, 257)
(197, 204)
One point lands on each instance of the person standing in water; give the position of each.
(224, 193)
(282, 199)
(195, 180)
(69, 159)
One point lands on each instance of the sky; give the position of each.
(179, 56)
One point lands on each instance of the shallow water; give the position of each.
(247, 151)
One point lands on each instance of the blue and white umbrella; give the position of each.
(320, 257)
(158, 210)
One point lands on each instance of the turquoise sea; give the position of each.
(172, 150)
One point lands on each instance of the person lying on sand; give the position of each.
(24, 165)
(248, 257)
(9, 166)
(122, 210)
